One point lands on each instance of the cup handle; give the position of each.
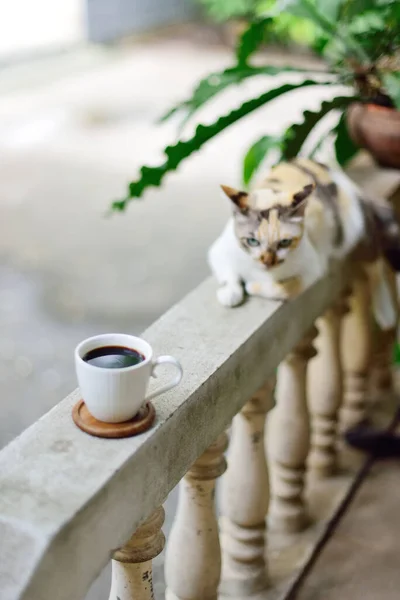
(166, 360)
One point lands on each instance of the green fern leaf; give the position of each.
(308, 9)
(330, 8)
(251, 39)
(297, 134)
(153, 176)
(256, 154)
(216, 83)
(345, 148)
(222, 10)
(392, 85)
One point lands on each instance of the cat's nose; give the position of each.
(268, 259)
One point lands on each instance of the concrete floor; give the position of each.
(27, 27)
(360, 561)
(72, 134)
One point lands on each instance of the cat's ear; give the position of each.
(239, 199)
(299, 202)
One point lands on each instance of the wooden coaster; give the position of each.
(86, 421)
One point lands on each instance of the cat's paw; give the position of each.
(270, 291)
(230, 295)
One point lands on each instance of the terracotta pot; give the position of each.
(377, 129)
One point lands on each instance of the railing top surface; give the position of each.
(67, 499)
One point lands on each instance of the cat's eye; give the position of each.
(285, 243)
(252, 242)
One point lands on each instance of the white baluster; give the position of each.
(193, 557)
(325, 391)
(132, 574)
(289, 440)
(356, 352)
(244, 500)
(383, 343)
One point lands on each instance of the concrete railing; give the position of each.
(70, 502)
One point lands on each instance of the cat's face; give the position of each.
(269, 224)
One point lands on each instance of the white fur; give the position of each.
(234, 268)
(353, 221)
(383, 302)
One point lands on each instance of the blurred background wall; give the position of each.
(109, 20)
(32, 28)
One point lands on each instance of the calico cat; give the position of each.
(283, 234)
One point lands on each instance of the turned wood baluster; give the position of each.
(289, 440)
(244, 500)
(356, 348)
(325, 391)
(193, 556)
(383, 348)
(132, 575)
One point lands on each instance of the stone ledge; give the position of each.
(66, 499)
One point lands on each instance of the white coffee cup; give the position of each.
(116, 395)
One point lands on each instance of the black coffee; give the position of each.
(113, 357)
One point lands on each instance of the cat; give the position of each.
(283, 234)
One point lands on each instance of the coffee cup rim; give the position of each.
(108, 339)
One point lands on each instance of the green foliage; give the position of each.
(289, 31)
(330, 27)
(216, 83)
(391, 82)
(222, 10)
(396, 354)
(375, 25)
(293, 140)
(331, 9)
(153, 176)
(256, 154)
(351, 26)
(345, 148)
(251, 40)
(297, 134)
(359, 41)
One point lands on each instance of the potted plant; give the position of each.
(375, 123)
(359, 41)
(234, 16)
